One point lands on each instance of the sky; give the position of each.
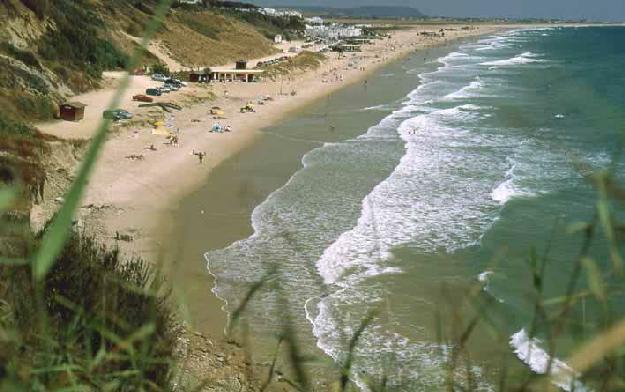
(612, 10)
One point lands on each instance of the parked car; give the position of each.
(172, 87)
(159, 77)
(142, 98)
(117, 114)
(177, 82)
(154, 92)
(164, 90)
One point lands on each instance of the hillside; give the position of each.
(50, 51)
(208, 38)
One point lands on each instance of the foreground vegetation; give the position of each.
(96, 322)
(74, 315)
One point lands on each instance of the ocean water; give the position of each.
(475, 166)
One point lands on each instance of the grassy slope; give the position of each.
(209, 38)
(47, 52)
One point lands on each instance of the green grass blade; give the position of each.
(353, 342)
(595, 281)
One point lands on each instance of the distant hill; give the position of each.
(363, 12)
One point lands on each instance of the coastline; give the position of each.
(145, 192)
(139, 198)
(155, 201)
(213, 325)
(233, 190)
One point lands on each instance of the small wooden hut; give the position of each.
(72, 111)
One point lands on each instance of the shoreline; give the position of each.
(166, 219)
(139, 198)
(147, 190)
(235, 190)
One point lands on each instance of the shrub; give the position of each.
(268, 25)
(37, 107)
(77, 41)
(302, 62)
(103, 319)
(141, 6)
(61, 71)
(134, 29)
(160, 69)
(24, 56)
(11, 126)
(39, 7)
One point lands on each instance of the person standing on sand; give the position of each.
(200, 155)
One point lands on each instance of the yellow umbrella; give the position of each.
(161, 131)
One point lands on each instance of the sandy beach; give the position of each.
(140, 179)
(132, 196)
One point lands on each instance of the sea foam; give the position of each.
(531, 353)
(406, 208)
(522, 59)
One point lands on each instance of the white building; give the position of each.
(349, 32)
(315, 20)
(273, 12)
(333, 31)
(317, 31)
(280, 13)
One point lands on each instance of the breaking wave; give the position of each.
(523, 58)
(531, 353)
